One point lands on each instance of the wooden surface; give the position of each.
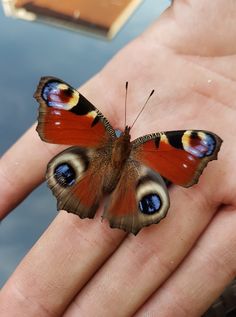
(106, 16)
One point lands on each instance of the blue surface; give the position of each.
(27, 52)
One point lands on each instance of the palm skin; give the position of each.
(175, 268)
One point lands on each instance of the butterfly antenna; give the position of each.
(126, 93)
(152, 92)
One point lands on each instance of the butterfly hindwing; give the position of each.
(139, 199)
(67, 117)
(179, 156)
(80, 177)
(74, 179)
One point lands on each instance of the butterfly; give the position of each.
(100, 163)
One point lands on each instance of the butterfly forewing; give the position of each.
(67, 117)
(179, 156)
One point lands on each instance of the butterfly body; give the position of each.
(128, 173)
(121, 149)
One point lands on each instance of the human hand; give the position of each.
(178, 267)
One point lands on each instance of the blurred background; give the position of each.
(27, 52)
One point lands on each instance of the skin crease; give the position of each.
(178, 267)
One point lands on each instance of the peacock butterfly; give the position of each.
(131, 174)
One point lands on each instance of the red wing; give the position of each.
(139, 199)
(179, 156)
(67, 117)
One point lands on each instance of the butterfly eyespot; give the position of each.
(150, 204)
(65, 175)
(59, 95)
(199, 144)
(210, 143)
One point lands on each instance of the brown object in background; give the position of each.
(104, 17)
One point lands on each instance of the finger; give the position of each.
(22, 168)
(203, 275)
(143, 263)
(60, 263)
(185, 37)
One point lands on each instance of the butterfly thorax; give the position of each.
(121, 149)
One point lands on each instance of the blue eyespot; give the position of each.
(210, 144)
(51, 93)
(65, 175)
(201, 146)
(55, 96)
(150, 204)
